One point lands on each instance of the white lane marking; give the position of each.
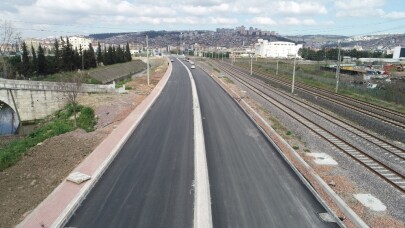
(202, 195)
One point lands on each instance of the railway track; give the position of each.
(385, 115)
(380, 168)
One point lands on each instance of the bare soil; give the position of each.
(26, 184)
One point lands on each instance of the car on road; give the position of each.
(171, 60)
(192, 67)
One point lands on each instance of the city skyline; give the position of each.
(43, 18)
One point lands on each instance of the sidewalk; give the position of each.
(62, 202)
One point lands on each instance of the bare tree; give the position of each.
(71, 88)
(7, 35)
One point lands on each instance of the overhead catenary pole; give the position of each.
(293, 79)
(147, 57)
(338, 69)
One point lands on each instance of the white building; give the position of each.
(277, 49)
(399, 53)
(77, 41)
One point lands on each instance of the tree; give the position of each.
(113, 55)
(99, 54)
(110, 58)
(25, 64)
(58, 63)
(33, 68)
(120, 57)
(71, 88)
(7, 35)
(128, 56)
(91, 57)
(41, 61)
(67, 56)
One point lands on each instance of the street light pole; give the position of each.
(147, 57)
(293, 79)
(338, 69)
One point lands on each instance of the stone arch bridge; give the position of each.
(32, 100)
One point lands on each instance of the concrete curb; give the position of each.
(325, 187)
(202, 195)
(133, 119)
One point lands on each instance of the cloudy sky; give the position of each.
(41, 18)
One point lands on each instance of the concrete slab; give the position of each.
(322, 159)
(78, 177)
(370, 202)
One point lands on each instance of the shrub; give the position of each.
(58, 125)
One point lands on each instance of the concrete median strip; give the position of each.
(59, 206)
(202, 196)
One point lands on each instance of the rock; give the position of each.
(39, 144)
(33, 182)
(332, 183)
(342, 218)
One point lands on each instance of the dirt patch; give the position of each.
(43, 167)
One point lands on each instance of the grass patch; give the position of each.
(296, 147)
(123, 82)
(59, 124)
(65, 76)
(217, 70)
(288, 133)
(227, 80)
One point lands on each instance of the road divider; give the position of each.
(202, 195)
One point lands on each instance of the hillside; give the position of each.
(187, 38)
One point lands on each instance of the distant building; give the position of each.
(277, 49)
(77, 41)
(32, 43)
(399, 53)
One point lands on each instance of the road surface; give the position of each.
(149, 184)
(251, 185)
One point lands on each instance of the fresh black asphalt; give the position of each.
(251, 185)
(149, 184)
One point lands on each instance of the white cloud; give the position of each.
(223, 20)
(297, 21)
(395, 15)
(262, 21)
(359, 8)
(299, 8)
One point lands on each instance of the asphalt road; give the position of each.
(251, 185)
(149, 184)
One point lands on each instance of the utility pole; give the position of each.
(147, 57)
(338, 69)
(277, 67)
(293, 79)
(251, 65)
(179, 45)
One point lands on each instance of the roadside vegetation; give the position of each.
(390, 96)
(61, 122)
(40, 63)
